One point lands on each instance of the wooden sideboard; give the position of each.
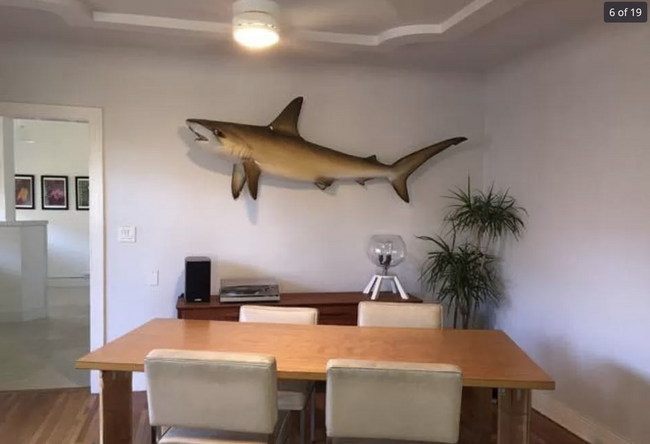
(333, 308)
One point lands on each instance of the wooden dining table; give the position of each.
(488, 359)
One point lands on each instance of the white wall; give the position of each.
(179, 198)
(58, 148)
(569, 130)
(11, 304)
(23, 271)
(34, 266)
(7, 199)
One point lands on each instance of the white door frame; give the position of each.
(94, 118)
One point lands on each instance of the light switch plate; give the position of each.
(126, 233)
(153, 278)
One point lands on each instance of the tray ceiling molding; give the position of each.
(466, 20)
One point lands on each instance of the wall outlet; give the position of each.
(126, 233)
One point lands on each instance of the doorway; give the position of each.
(52, 239)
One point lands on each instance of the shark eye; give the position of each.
(219, 134)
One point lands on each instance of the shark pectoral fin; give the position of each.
(362, 181)
(252, 177)
(238, 180)
(324, 184)
(287, 121)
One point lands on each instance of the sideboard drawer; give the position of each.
(211, 314)
(337, 315)
(333, 308)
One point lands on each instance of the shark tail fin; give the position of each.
(403, 168)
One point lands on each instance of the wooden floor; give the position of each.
(71, 417)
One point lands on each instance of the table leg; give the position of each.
(514, 416)
(116, 410)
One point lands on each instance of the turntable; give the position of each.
(249, 290)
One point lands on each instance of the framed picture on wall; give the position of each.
(82, 195)
(24, 191)
(54, 192)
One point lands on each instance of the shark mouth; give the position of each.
(199, 137)
(200, 131)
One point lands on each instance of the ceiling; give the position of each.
(441, 34)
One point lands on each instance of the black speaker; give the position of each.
(197, 279)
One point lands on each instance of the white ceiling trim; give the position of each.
(162, 22)
(464, 13)
(469, 18)
(224, 29)
(338, 38)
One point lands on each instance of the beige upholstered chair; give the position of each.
(393, 401)
(278, 315)
(212, 397)
(292, 395)
(399, 314)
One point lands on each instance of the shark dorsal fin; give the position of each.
(372, 158)
(287, 121)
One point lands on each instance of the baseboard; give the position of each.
(35, 313)
(11, 316)
(22, 316)
(573, 421)
(68, 282)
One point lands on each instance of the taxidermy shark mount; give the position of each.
(279, 150)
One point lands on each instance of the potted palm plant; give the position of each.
(461, 270)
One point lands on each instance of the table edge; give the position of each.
(315, 376)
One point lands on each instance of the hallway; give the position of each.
(40, 354)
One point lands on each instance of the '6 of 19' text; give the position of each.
(626, 12)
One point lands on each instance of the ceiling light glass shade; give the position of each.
(256, 35)
(254, 25)
(386, 250)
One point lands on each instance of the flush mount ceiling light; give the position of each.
(254, 24)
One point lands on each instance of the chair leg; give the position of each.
(313, 415)
(154, 435)
(303, 420)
